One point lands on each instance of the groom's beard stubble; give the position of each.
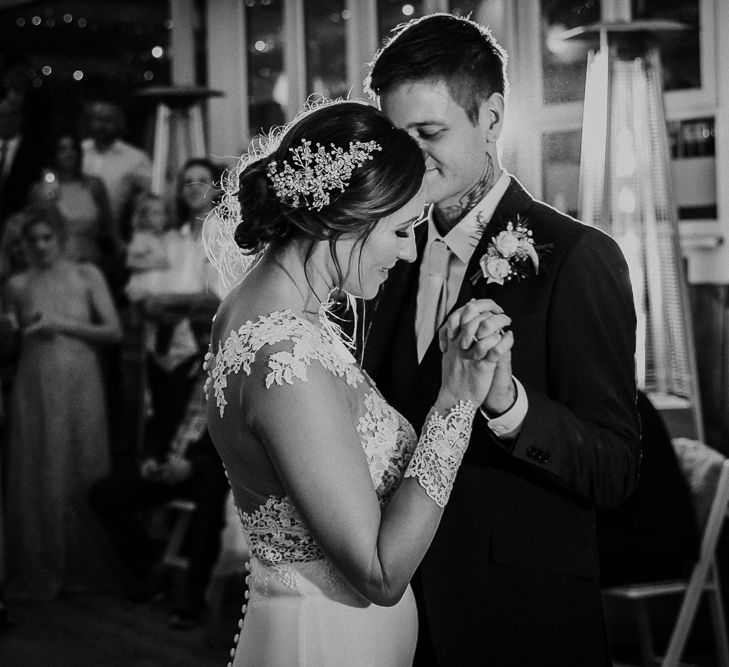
(447, 217)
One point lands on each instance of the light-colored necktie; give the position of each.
(433, 295)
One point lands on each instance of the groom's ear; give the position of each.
(491, 116)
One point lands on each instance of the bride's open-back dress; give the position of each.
(301, 612)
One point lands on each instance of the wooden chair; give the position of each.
(707, 472)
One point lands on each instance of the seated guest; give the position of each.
(187, 466)
(653, 535)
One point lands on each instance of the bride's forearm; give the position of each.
(411, 518)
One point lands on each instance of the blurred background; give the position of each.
(200, 79)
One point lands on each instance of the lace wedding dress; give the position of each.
(300, 610)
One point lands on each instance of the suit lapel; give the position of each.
(514, 202)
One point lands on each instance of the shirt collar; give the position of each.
(460, 239)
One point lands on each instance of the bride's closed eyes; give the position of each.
(406, 229)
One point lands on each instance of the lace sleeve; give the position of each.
(303, 343)
(440, 450)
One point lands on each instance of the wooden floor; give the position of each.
(103, 631)
(107, 631)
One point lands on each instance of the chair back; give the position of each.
(707, 473)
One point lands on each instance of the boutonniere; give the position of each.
(511, 253)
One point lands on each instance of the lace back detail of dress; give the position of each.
(309, 343)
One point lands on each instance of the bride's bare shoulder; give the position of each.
(249, 301)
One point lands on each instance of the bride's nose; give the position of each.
(408, 250)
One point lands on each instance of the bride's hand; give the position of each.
(473, 343)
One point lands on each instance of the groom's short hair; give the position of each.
(442, 47)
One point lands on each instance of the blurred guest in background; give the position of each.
(12, 261)
(36, 104)
(125, 170)
(186, 308)
(58, 434)
(20, 158)
(147, 254)
(186, 466)
(83, 202)
(13, 257)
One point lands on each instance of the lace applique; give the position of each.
(388, 441)
(440, 451)
(278, 539)
(277, 535)
(292, 575)
(310, 343)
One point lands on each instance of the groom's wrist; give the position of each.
(498, 404)
(508, 424)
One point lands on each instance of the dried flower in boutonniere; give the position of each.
(510, 254)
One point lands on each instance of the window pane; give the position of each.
(391, 13)
(561, 169)
(267, 84)
(326, 72)
(491, 13)
(564, 61)
(693, 167)
(680, 50)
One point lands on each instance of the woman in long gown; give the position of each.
(338, 497)
(58, 435)
(82, 200)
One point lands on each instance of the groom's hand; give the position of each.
(480, 322)
(502, 394)
(484, 320)
(479, 325)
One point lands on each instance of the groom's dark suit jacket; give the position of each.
(512, 575)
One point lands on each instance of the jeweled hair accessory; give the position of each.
(315, 174)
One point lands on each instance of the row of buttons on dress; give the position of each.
(243, 610)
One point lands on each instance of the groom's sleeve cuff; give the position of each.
(508, 424)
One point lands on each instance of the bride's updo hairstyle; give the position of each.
(259, 217)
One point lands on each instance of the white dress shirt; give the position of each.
(123, 168)
(461, 241)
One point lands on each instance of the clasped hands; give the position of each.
(477, 355)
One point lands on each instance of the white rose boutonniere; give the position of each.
(510, 254)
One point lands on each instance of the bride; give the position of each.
(338, 497)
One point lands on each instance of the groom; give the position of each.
(512, 575)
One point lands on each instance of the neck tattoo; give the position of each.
(450, 215)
